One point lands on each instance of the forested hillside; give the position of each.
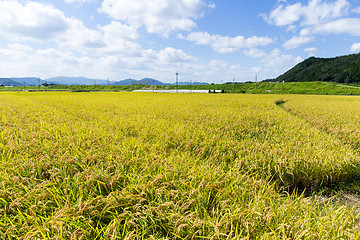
(344, 69)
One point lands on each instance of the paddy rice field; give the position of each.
(178, 166)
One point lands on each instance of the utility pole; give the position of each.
(255, 81)
(94, 84)
(233, 85)
(24, 86)
(39, 83)
(177, 81)
(190, 86)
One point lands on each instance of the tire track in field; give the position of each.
(281, 104)
(346, 196)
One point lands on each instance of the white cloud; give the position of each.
(39, 22)
(317, 17)
(218, 64)
(78, 37)
(227, 44)
(305, 32)
(316, 12)
(278, 60)
(311, 51)
(16, 51)
(254, 53)
(355, 48)
(212, 5)
(32, 20)
(73, 49)
(172, 55)
(319, 12)
(116, 30)
(288, 15)
(158, 16)
(345, 25)
(275, 62)
(21, 60)
(295, 42)
(79, 1)
(291, 28)
(356, 10)
(70, 47)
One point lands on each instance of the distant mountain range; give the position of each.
(27, 81)
(31, 81)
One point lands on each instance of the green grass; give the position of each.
(314, 88)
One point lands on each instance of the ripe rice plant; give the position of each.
(167, 166)
(338, 116)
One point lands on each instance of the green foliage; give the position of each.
(344, 69)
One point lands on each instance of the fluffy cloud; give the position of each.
(72, 48)
(31, 21)
(116, 30)
(346, 25)
(275, 62)
(356, 10)
(254, 53)
(79, 1)
(295, 42)
(317, 17)
(282, 15)
(172, 55)
(158, 16)
(314, 13)
(311, 51)
(16, 51)
(69, 46)
(318, 12)
(51, 62)
(355, 48)
(78, 37)
(227, 44)
(277, 59)
(34, 21)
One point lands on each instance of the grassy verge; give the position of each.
(314, 88)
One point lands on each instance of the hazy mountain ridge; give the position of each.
(32, 81)
(28, 81)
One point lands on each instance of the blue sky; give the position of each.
(208, 41)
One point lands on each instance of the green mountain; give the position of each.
(344, 69)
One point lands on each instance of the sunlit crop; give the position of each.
(174, 166)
